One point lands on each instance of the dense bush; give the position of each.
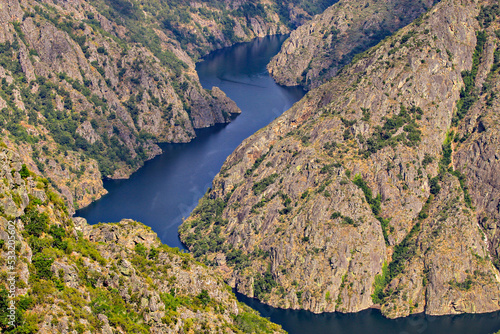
(251, 323)
(260, 186)
(42, 264)
(375, 204)
(403, 252)
(35, 223)
(468, 93)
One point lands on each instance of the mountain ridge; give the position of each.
(343, 201)
(317, 50)
(69, 276)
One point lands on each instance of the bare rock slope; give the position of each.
(317, 50)
(378, 187)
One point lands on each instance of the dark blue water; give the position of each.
(168, 187)
(372, 322)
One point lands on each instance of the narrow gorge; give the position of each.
(378, 187)
(376, 196)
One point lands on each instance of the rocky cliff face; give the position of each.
(110, 278)
(105, 81)
(372, 189)
(74, 84)
(477, 153)
(317, 50)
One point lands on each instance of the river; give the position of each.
(169, 186)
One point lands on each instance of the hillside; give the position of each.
(88, 88)
(380, 187)
(107, 278)
(317, 50)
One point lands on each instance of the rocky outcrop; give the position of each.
(106, 278)
(104, 82)
(451, 270)
(478, 154)
(79, 94)
(317, 50)
(350, 198)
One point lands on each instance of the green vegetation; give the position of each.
(444, 168)
(468, 93)
(23, 326)
(383, 136)
(427, 160)
(379, 285)
(238, 259)
(207, 226)
(407, 36)
(464, 286)
(375, 204)
(287, 203)
(344, 219)
(403, 252)
(464, 187)
(263, 284)
(35, 222)
(24, 172)
(487, 15)
(62, 124)
(42, 264)
(140, 250)
(260, 186)
(63, 257)
(176, 20)
(250, 322)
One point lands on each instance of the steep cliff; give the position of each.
(105, 81)
(317, 50)
(67, 276)
(350, 199)
(74, 84)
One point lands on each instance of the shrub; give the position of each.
(259, 187)
(35, 223)
(24, 172)
(203, 297)
(140, 249)
(252, 323)
(42, 264)
(263, 284)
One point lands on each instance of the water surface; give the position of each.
(371, 321)
(169, 186)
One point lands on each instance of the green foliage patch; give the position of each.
(207, 227)
(35, 223)
(468, 93)
(262, 185)
(403, 252)
(263, 284)
(374, 202)
(383, 136)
